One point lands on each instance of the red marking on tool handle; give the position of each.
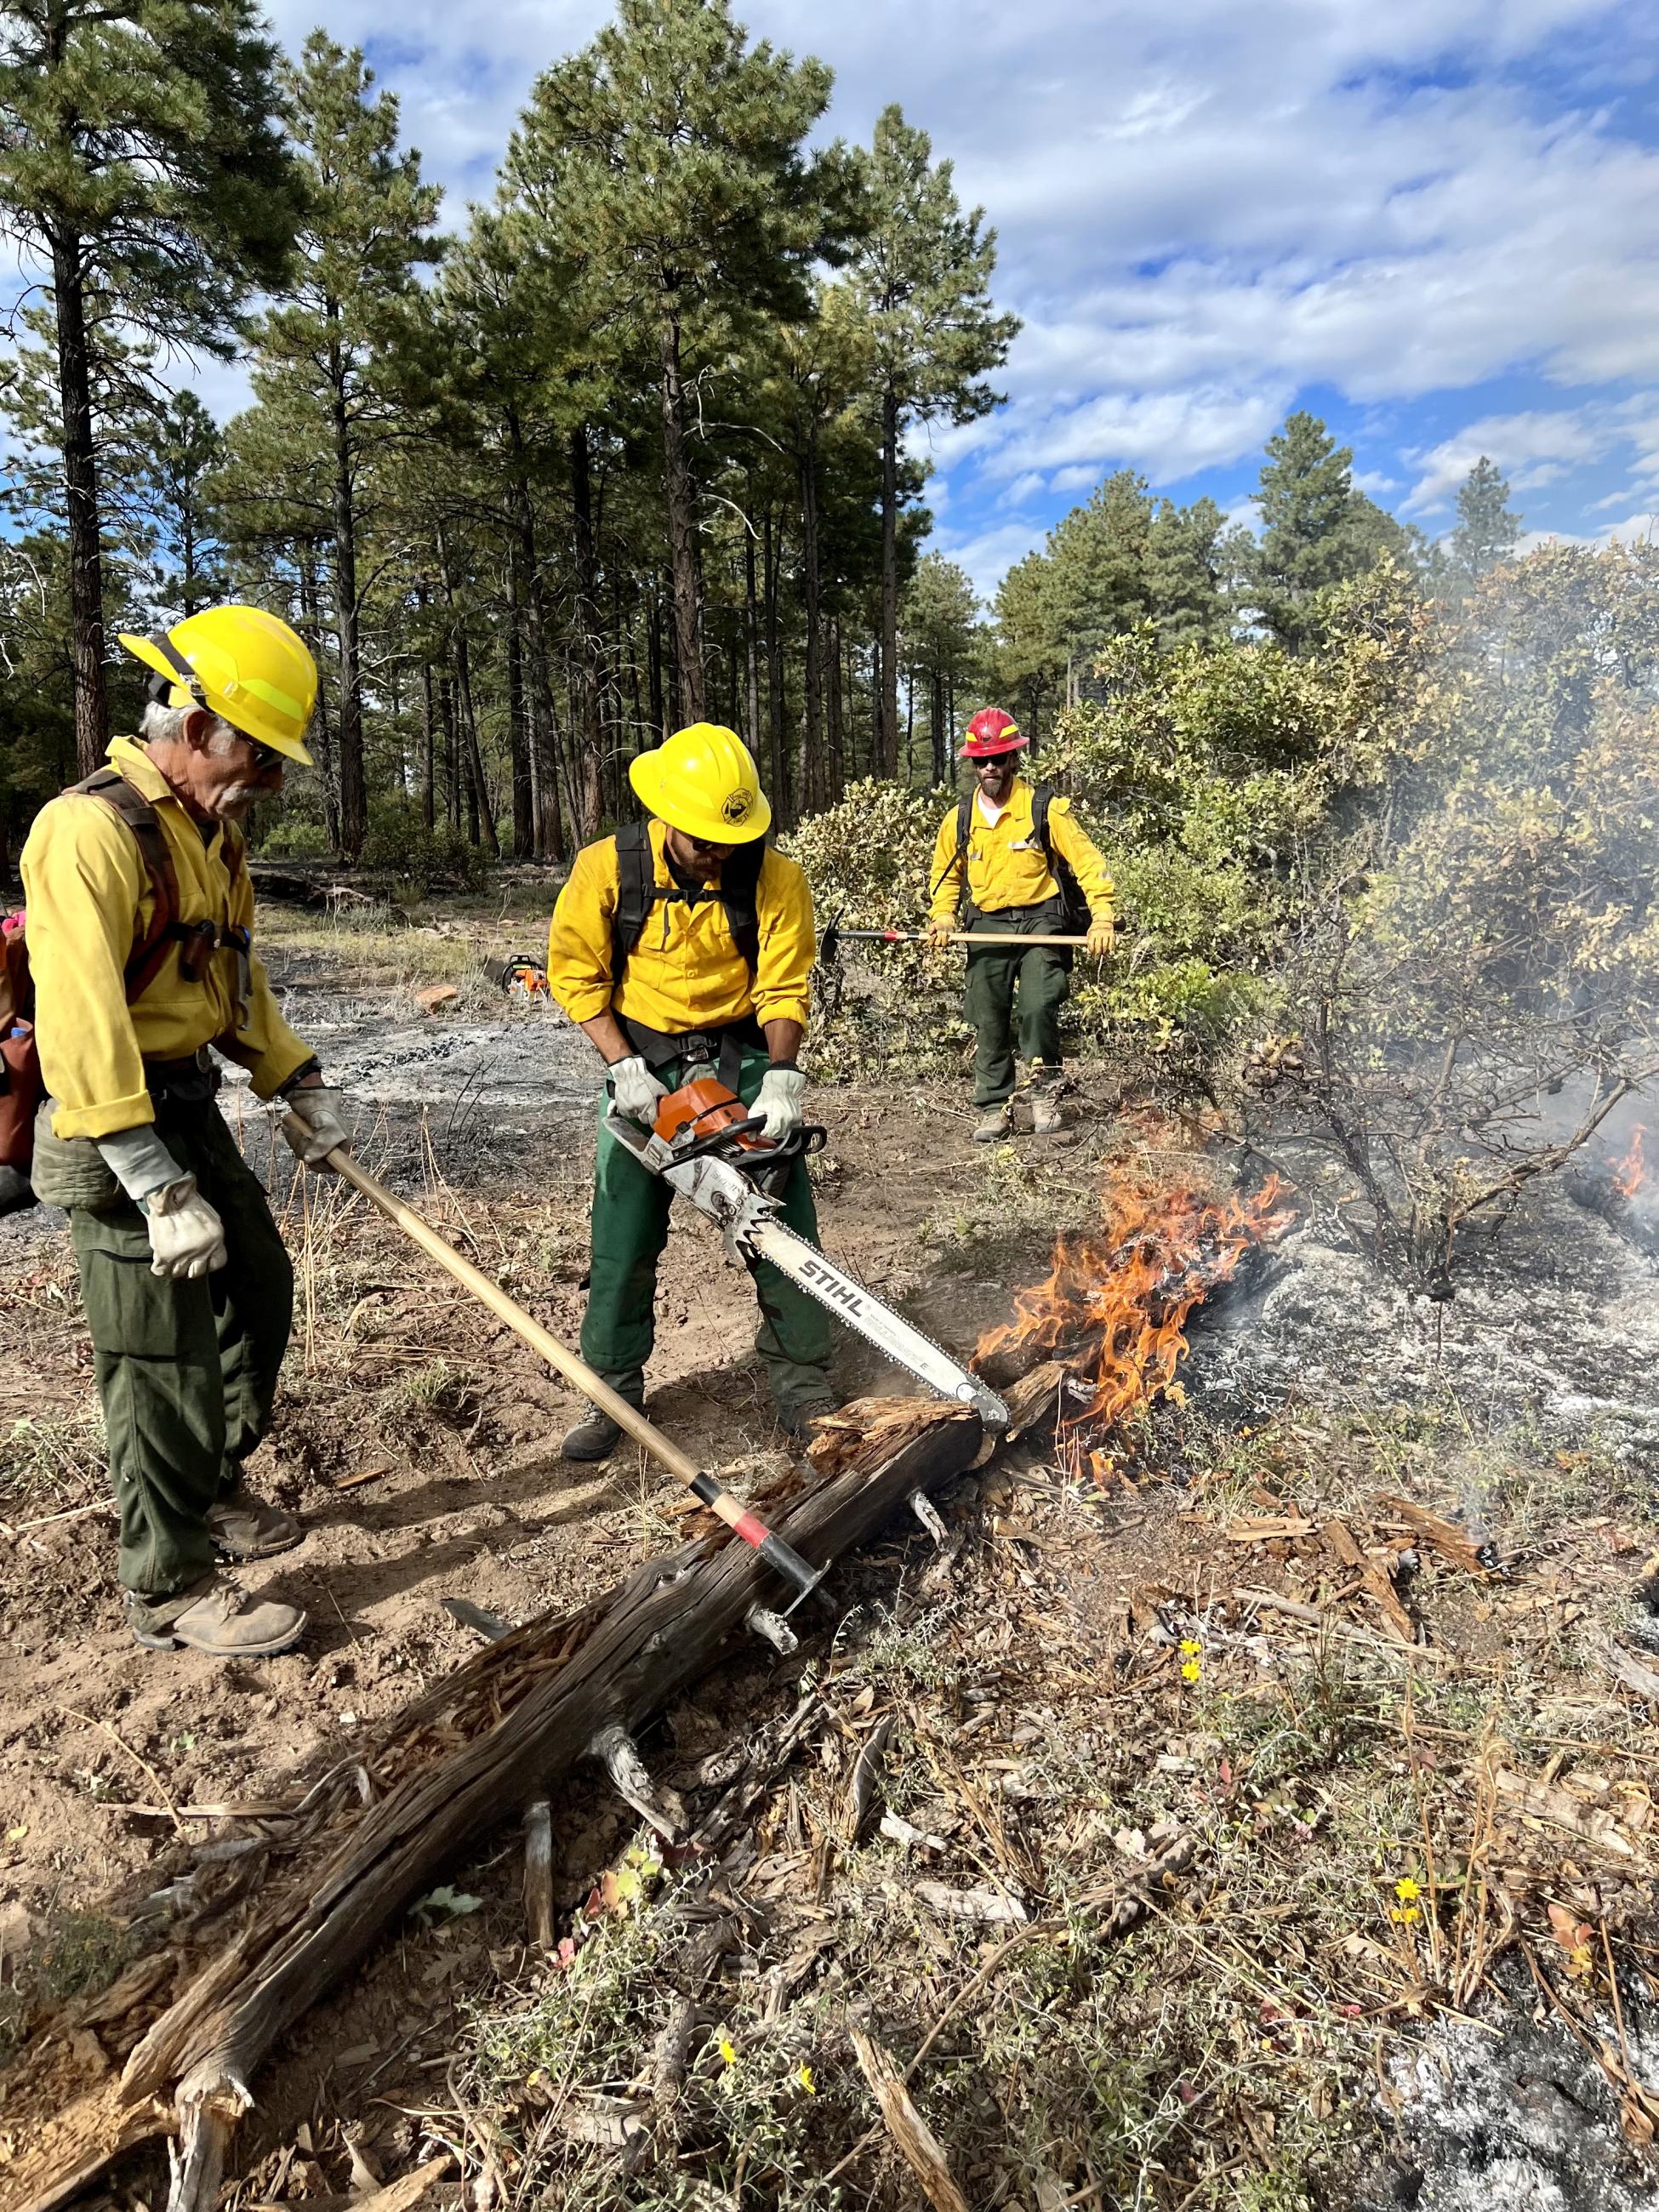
(751, 1531)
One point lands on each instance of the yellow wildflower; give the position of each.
(803, 2075)
(728, 2049)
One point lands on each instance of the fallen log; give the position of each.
(468, 1755)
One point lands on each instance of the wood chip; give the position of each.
(1263, 1529)
(866, 1778)
(1445, 1538)
(989, 1905)
(1563, 1808)
(1348, 1548)
(894, 1826)
(1632, 1672)
(918, 2145)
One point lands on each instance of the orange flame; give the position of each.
(1114, 1305)
(1627, 1176)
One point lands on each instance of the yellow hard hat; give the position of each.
(703, 781)
(242, 663)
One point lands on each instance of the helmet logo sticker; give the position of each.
(734, 807)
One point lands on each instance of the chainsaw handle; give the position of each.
(810, 1137)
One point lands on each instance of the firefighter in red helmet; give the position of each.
(1010, 857)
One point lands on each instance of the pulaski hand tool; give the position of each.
(738, 1519)
(707, 1145)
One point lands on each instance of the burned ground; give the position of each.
(1398, 1877)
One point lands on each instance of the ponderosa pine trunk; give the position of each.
(810, 781)
(750, 646)
(782, 785)
(679, 496)
(523, 812)
(836, 762)
(85, 560)
(549, 843)
(589, 732)
(321, 739)
(354, 797)
(887, 718)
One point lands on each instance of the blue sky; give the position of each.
(1434, 221)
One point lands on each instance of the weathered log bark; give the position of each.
(469, 1754)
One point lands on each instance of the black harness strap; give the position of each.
(638, 892)
(198, 938)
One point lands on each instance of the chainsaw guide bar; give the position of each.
(721, 1170)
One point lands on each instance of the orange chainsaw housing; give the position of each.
(702, 1108)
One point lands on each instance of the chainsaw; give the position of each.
(705, 1145)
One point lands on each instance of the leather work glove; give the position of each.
(320, 1130)
(779, 1098)
(187, 1236)
(940, 934)
(1101, 937)
(635, 1090)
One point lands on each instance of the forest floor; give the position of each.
(1402, 1952)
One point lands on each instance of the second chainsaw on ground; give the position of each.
(705, 1145)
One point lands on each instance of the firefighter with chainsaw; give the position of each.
(138, 931)
(1010, 857)
(683, 942)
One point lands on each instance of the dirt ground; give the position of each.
(1076, 1678)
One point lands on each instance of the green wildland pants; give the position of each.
(630, 1228)
(1007, 987)
(187, 1370)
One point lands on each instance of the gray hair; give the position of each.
(163, 724)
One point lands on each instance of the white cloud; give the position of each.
(1539, 446)
(988, 555)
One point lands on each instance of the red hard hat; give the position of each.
(991, 732)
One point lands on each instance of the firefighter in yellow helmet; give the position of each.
(685, 938)
(140, 918)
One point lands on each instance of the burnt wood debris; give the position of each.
(484, 1747)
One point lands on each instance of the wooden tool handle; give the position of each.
(574, 1371)
(1011, 937)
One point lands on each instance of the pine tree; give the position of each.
(1316, 528)
(328, 352)
(1487, 530)
(924, 270)
(941, 610)
(138, 160)
(1186, 566)
(667, 162)
(185, 453)
(1095, 581)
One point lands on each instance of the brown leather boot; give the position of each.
(216, 1615)
(992, 1125)
(244, 1526)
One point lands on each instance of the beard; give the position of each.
(237, 799)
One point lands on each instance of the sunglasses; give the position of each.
(265, 756)
(703, 845)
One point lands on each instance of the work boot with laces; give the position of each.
(596, 1436)
(993, 1124)
(1043, 1095)
(244, 1526)
(216, 1615)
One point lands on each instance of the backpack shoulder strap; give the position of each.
(964, 821)
(124, 800)
(637, 893)
(1042, 795)
(740, 874)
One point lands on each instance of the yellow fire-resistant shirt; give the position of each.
(1006, 863)
(686, 972)
(88, 898)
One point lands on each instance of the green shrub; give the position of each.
(399, 842)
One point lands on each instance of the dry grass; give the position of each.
(1075, 1691)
